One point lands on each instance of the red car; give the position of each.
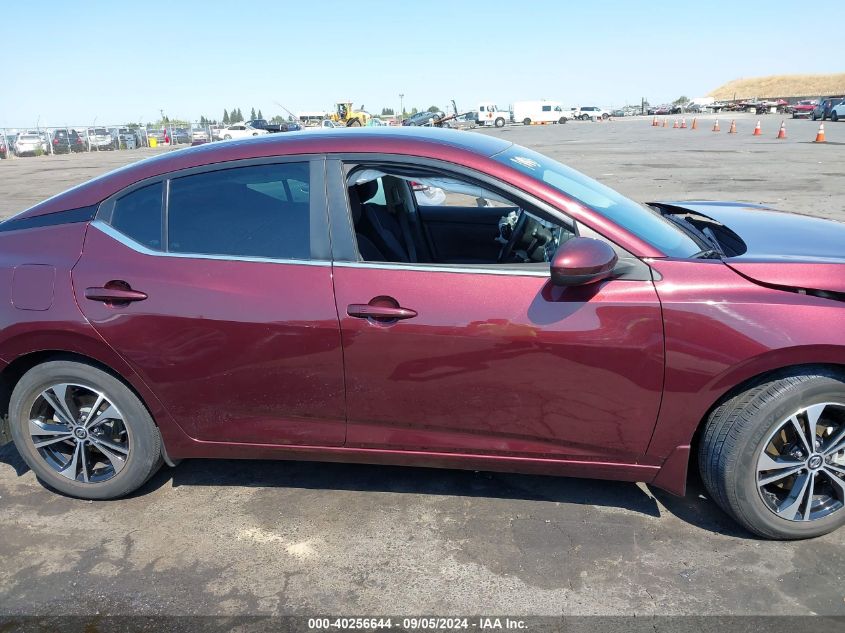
(286, 297)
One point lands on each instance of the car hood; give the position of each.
(783, 249)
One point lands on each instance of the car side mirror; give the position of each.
(582, 260)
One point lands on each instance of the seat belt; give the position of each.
(406, 230)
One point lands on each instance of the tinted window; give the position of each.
(547, 108)
(260, 211)
(138, 215)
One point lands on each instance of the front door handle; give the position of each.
(114, 292)
(367, 311)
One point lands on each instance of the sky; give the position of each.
(129, 60)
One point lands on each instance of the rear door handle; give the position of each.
(366, 311)
(114, 294)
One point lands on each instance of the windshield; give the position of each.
(646, 224)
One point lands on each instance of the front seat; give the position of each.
(366, 249)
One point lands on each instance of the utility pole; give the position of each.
(402, 105)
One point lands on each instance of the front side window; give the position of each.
(423, 216)
(258, 211)
(138, 215)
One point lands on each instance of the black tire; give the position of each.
(144, 441)
(227, 137)
(813, 115)
(585, 117)
(834, 116)
(500, 122)
(562, 120)
(526, 121)
(736, 433)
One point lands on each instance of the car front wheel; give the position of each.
(773, 456)
(82, 431)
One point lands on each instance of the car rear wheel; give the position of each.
(228, 137)
(526, 121)
(773, 456)
(834, 116)
(500, 122)
(82, 431)
(562, 120)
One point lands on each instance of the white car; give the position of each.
(100, 139)
(240, 130)
(28, 144)
(585, 113)
(838, 111)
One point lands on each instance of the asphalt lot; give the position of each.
(227, 537)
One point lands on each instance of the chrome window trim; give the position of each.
(483, 269)
(143, 250)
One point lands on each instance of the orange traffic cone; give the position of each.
(675, 126)
(820, 134)
(716, 126)
(782, 131)
(757, 130)
(664, 122)
(733, 127)
(654, 122)
(683, 124)
(694, 123)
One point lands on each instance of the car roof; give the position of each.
(451, 145)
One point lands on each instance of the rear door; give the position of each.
(216, 286)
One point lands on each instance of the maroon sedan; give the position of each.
(289, 297)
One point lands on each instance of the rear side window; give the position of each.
(258, 211)
(138, 215)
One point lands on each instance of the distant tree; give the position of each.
(414, 111)
(260, 116)
(277, 119)
(240, 116)
(226, 117)
(252, 114)
(433, 109)
(681, 101)
(387, 112)
(362, 108)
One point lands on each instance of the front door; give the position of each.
(216, 286)
(493, 359)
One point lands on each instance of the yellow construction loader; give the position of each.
(344, 114)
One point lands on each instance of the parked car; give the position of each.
(180, 136)
(528, 112)
(803, 109)
(199, 135)
(618, 113)
(586, 113)
(553, 327)
(240, 130)
(423, 118)
(838, 111)
(28, 145)
(822, 109)
(100, 139)
(65, 141)
(4, 151)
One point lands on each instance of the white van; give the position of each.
(529, 112)
(488, 113)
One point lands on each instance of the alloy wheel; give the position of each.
(801, 468)
(79, 433)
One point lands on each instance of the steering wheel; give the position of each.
(515, 238)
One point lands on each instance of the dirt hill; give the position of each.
(782, 86)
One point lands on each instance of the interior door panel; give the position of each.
(463, 234)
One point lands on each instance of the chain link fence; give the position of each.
(19, 142)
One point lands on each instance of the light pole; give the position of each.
(401, 105)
